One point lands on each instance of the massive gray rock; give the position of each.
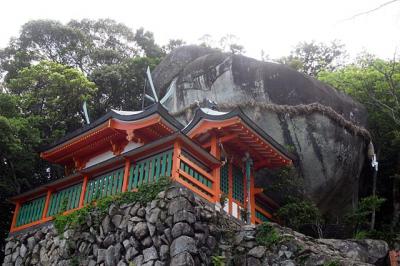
(322, 126)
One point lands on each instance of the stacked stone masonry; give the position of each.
(179, 229)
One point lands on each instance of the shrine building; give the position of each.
(216, 156)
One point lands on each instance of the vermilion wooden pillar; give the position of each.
(216, 173)
(15, 215)
(46, 204)
(126, 175)
(84, 185)
(176, 160)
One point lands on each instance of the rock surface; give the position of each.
(212, 235)
(330, 155)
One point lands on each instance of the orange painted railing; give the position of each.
(195, 178)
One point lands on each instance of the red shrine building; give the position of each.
(216, 156)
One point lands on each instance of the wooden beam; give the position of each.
(176, 160)
(74, 141)
(196, 167)
(126, 175)
(216, 152)
(221, 140)
(264, 212)
(258, 190)
(83, 191)
(200, 193)
(15, 215)
(46, 204)
(197, 182)
(206, 125)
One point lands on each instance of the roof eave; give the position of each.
(199, 115)
(155, 108)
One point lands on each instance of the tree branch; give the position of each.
(370, 11)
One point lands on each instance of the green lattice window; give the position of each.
(238, 184)
(31, 211)
(68, 196)
(224, 175)
(150, 169)
(105, 185)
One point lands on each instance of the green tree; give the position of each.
(376, 84)
(229, 43)
(85, 44)
(360, 217)
(55, 93)
(19, 138)
(147, 44)
(121, 86)
(311, 58)
(300, 212)
(172, 44)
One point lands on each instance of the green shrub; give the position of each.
(218, 260)
(298, 213)
(331, 263)
(360, 217)
(361, 235)
(267, 235)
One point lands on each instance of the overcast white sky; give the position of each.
(274, 26)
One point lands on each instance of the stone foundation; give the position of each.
(179, 229)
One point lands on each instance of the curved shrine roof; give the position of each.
(241, 134)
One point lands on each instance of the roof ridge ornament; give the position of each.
(85, 112)
(153, 98)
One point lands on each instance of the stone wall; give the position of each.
(178, 229)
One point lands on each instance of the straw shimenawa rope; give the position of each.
(292, 110)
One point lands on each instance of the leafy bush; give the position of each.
(361, 235)
(267, 235)
(331, 263)
(297, 213)
(218, 260)
(360, 217)
(144, 194)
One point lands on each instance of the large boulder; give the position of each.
(322, 126)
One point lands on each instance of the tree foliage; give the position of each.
(54, 93)
(46, 74)
(311, 58)
(299, 212)
(228, 43)
(85, 44)
(376, 83)
(120, 86)
(359, 218)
